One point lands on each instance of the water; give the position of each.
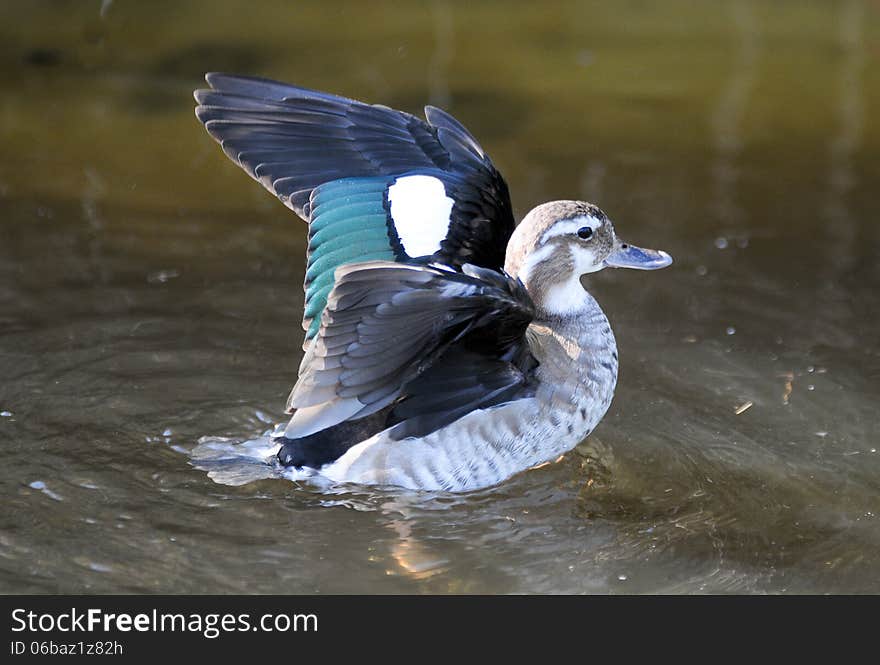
(150, 295)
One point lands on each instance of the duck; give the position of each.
(446, 347)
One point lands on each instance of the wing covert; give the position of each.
(391, 186)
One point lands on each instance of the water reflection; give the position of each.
(846, 139)
(727, 118)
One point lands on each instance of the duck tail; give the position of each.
(328, 445)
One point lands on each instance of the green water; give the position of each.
(150, 294)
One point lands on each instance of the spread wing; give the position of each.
(434, 343)
(373, 183)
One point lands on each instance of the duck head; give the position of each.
(560, 241)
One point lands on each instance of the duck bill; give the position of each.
(630, 256)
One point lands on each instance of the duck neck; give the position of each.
(562, 300)
(577, 353)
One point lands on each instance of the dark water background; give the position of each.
(150, 294)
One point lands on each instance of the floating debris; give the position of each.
(742, 408)
(786, 393)
(721, 242)
(731, 330)
(40, 485)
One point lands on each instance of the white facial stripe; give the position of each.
(571, 226)
(421, 212)
(534, 259)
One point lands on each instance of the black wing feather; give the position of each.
(465, 381)
(293, 139)
(437, 344)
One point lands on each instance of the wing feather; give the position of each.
(385, 327)
(293, 140)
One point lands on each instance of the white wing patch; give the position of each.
(421, 212)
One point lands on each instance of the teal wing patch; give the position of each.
(348, 224)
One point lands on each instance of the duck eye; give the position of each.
(585, 233)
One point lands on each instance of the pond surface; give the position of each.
(150, 294)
